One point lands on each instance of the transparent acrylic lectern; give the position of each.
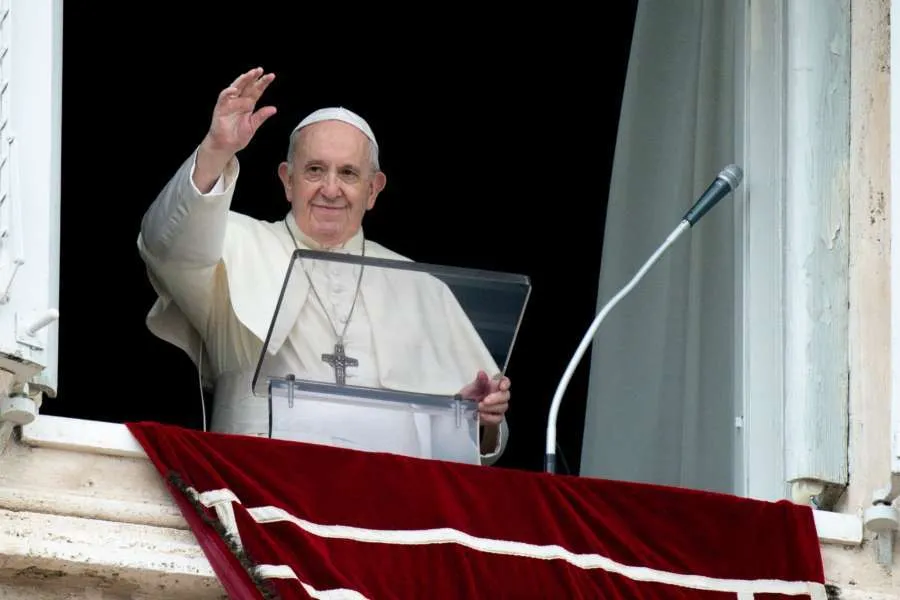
(391, 377)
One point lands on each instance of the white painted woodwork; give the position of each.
(760, 215)
(30, 157)
(816, 240)
(837, 528)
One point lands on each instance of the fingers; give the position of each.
(228, 93)
(259, 86)
(236, 104)
(481, 386)
(244, 79)
(260, 116)
(493, 407)
(468, 390)
(496, 402)
(499, 384)
(248, 88)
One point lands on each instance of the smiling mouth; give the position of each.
(329, 207)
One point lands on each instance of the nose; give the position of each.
(330, 188)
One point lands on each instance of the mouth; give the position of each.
(330, 207)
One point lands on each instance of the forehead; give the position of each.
(332, 141)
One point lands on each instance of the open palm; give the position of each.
(235, 118)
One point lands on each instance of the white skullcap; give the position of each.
(338, 113)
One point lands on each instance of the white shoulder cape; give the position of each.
(422, 338)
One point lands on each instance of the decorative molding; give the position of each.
(837, 528)
(81, 435)
(119, 558)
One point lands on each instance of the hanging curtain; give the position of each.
(661, 403)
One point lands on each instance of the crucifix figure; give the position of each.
(339, 362)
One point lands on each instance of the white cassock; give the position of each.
(218, 275)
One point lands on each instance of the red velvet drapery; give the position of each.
(313, 519)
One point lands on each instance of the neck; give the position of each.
(353, 243)
(328, 243)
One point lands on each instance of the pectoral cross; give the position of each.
(339, 362)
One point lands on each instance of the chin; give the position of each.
(328, 229)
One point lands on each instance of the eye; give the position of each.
(348, 174)
(314, 171)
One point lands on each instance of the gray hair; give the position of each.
(292, 149)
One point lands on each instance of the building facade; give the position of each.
(83, 514)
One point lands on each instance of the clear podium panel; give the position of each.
(442, 428)
(385, 354)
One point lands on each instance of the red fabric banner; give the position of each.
(290, 520)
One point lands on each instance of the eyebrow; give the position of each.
(347, 166)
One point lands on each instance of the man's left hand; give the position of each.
(492, 396)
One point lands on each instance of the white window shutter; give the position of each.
(30, 136)
(816, 245)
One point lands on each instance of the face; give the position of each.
(332, 183)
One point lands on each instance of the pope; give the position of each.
(218, 273)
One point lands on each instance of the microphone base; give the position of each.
(550, 463)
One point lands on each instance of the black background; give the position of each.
(497, 137)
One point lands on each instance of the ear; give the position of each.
(378, 183)
(285, 180)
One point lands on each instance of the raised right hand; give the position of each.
(234, 121)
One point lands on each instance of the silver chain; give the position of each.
(340, 338)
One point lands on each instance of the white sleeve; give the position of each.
(184, 226)
(217, 189)
(489, 458)
(181, 241)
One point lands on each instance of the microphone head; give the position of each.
(732, 175)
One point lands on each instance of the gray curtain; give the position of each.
(661, 404)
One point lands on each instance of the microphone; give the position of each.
(726, 182)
